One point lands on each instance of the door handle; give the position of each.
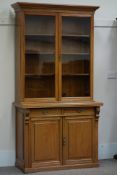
(64, 141)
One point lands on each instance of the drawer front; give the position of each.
(45, 112)
(78, 111)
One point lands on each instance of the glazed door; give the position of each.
(78, 140)
(75, 57)
(40, 56)
(46, 137)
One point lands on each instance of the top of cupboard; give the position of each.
(56, 7)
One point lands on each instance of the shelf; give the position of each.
(80, 54)
(52, 35)
(76, 75)
(38, 52)
(40, 35)
(38, 75)
(52, 53)
(76, 35)
(49, 75)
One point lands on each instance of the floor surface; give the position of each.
(107, 167)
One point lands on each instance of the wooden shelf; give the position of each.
(49, 75)
(38, 75)
(52, 53)
(76, 75)
(63, 35)
(80, 54)
(76, 36)
(38, 52)
(40, 35)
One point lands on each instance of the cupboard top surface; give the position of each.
(24, 5)
(58, 104)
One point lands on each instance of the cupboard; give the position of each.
(56, 116)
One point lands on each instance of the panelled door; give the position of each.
(76, 57)
(46, 137)
(41, 56)
(77, 139)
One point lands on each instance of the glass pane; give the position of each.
(40, 57)
(75, 57)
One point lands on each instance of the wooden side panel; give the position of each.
(46, 138)
(19, 58)
(78, 140)
(95, 143)
(19, 138)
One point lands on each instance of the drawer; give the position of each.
(45, 112)
(78, 111)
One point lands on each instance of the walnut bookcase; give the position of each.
(56, 116)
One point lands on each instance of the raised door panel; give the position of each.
(78, 140)
(46, 142)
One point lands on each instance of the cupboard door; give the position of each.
(46, 142)
(40, 56)
(78, 140)
(75, 55)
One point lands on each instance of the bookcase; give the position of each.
(56, 116)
